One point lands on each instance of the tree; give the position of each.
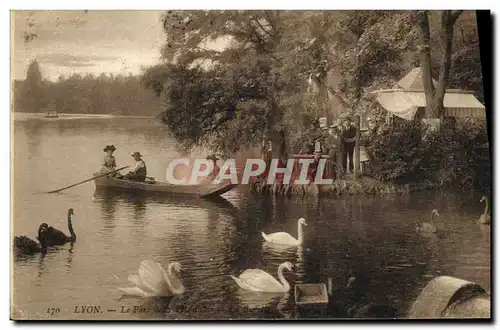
(276, 52)
(34, 75)
(376, 44)
(121, 95)
(255, 45)
(288, 47)
(465, 72)
(32, 98)
(434, 95)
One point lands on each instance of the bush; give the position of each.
(457, 157)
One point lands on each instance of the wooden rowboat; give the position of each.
(162, 188)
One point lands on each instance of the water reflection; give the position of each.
(69, 259)
(107, 205)
(33, 130)
(138, 199)
(265, 305)
(372, 239)
(41, 265)
(139, 204)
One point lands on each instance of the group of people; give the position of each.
(341, 140)
(338, 142)
(138, 172)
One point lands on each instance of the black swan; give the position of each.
(26, 245)
(57, 237)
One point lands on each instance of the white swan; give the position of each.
(286, 238)
(154, 281)
(259, 281)
(485, 218)
(426, 227)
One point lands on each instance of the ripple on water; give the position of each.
(371, 238)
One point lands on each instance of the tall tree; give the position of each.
(434, 95)
(253, 41)
(376, 44)
(32, 98)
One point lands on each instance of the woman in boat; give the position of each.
(110, 161)
(139, 171)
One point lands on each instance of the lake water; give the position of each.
(372, 238)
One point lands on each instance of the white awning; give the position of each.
(405, 104)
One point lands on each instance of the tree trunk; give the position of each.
(357, 122)
(323, 97)
(448, 20)
(425, 65)
(323, 87)
(434, 95)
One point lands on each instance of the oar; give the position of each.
(93, 178)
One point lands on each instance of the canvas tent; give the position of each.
(408, 98)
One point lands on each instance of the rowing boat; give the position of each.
(162, 188)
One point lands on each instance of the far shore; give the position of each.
(31, 115)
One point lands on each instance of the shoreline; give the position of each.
(38, 115)
(349, 186)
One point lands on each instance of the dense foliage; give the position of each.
(104, 94)
(457, 156)
(278, 54)
(221, 109)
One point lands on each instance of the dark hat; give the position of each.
(136, 154)
(109, 147)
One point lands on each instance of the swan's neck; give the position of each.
(300, 235)
(286, 285)
(70, 227)
(172, 274)
(486, 206)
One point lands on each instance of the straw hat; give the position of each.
(136, 154)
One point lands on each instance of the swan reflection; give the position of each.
(69, 259)
(156, 308)
(272, 304)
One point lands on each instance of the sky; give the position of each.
(77, 41)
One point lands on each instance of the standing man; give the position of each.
(332, 140)
(348, 141)
(266, 153)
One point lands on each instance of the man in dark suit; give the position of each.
(349, 141)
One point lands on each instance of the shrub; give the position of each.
(457, 157)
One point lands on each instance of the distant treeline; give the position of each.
(88, 94)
